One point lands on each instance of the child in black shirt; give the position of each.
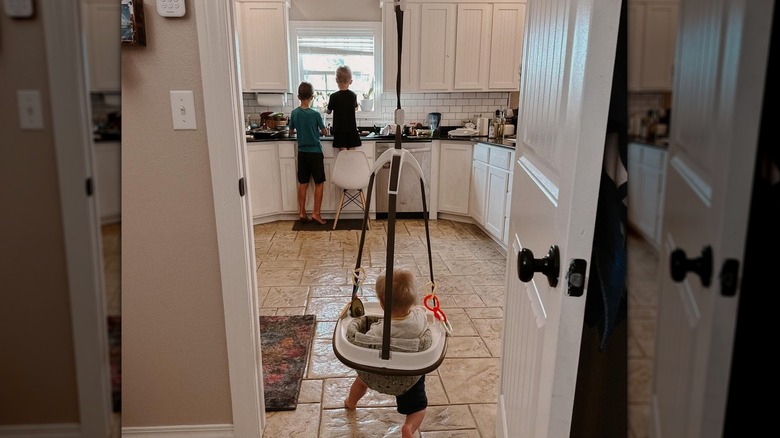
(342, 105)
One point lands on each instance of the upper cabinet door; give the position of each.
(410, 56)
(437, 46)
(659, 45)
(472, 46)
(101, 25)
(263, 46)
(506, 46)
(652, 35)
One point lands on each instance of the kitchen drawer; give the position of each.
(287, 149)
(500, 158)
(481, 152)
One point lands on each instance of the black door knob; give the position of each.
(549, 265)
(702, 266)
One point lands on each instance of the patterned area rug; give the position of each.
(286, 342)
(343, 224)
(115, 355)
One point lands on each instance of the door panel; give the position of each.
(568, 58)
(721, 62)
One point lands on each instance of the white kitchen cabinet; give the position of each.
(500, 162)
(495, 211)
(479, 175)
(264, 182)
(455, 161)
(410, 56)
(437, 46)
(646, 187)
(506, 46)
(108, 180)
(263, 40)
(652, 35)
(288, 171)
(472, 46)
(505, 240)
(101, 32)
(491, 185)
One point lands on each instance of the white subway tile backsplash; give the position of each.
(455, 107)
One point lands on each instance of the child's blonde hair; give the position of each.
(343, 75)
(404, 292)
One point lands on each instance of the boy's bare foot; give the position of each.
(304, 218)
(347, 405)
(317, 218)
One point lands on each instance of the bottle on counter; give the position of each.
(498, 126)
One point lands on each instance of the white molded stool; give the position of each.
(351, 172)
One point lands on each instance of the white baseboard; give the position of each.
(56, 430)
(184, 431)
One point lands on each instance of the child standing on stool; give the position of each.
(309, 125)
(342, 104)
(409, 321)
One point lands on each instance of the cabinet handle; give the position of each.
(241, 186)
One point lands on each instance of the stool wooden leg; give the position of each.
(363, 200)
(338, 212)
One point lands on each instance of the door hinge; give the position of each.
(241, 186)
(88, 186)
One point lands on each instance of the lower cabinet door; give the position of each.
(478, 202)
(497, 184)
(264, 188)
(289, 174)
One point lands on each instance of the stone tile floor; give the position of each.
(307, 272)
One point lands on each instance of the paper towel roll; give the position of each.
(271, 99)
(482, 126)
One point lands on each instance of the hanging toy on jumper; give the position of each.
(391, 372)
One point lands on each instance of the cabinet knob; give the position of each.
(548, 265)
(680, 265)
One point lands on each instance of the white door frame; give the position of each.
(223, 108)
(71, 127)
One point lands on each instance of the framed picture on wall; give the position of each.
(132, 24)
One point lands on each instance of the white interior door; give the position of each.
(568, 60)
(720, 63)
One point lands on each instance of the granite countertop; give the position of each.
(506, 143)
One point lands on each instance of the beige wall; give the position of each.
(335, 10)
(174, 349)
(37, 369)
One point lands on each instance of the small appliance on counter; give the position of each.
(434, 121)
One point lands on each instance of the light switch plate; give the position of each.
(171, 8)
(30, 110)
(183, 110)
(19, 8)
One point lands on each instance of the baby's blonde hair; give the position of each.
(404, 292)
(343, 75)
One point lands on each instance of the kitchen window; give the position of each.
(318, 48)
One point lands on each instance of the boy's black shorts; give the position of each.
(311, 165)
(412, 400)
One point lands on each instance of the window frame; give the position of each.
(337, 28)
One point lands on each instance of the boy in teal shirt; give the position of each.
(309, 125)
